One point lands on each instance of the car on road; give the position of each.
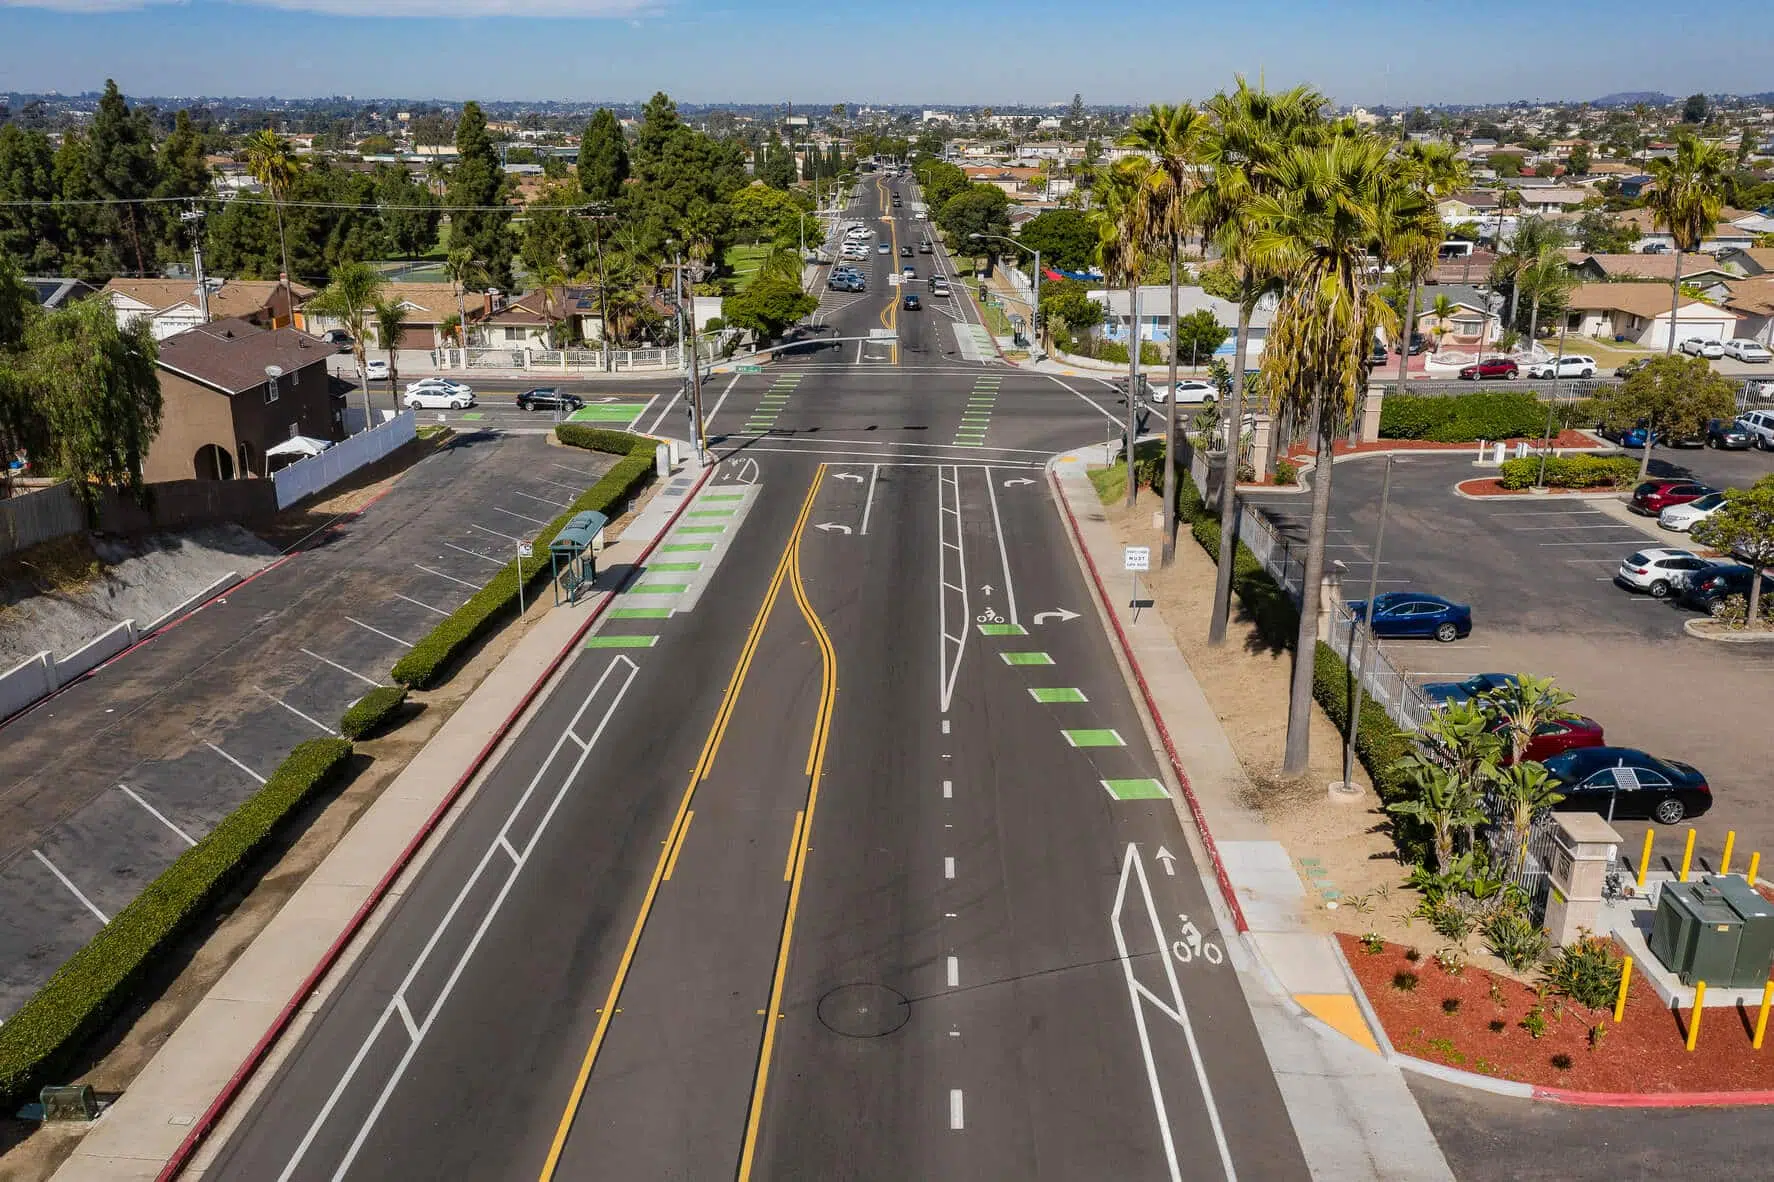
(1190, 391)
(419, 396)
(1654, 496)
(1728, 434)
(1572, 365)
(1659, 570)
(1739, 349)
(1416, 613)
(1451, 693)
(1706, 590)
(905, 252)
(375, 370)
(1554, 737)
(1760, 424)
(909, 272)
(884, 248)
(1703, 347)
(1625, 783)
(1683, 518)
(548, 398)
(923, 248)
(939, 286)
(911, 301)
(1491, 367)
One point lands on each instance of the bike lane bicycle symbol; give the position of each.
(1193, 945)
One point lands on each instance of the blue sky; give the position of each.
(1359, 51)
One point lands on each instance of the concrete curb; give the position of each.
(1612, 494)
(231, 1090)
(1691, 628)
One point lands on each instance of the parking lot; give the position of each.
(1539, 576)
(104, 785)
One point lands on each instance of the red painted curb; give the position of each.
(1176, 763)
(255, 1058)
(1653, 1099)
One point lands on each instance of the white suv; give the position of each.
(1760, 425)
(1571, 365)
(1703, 347)
(1659, 570)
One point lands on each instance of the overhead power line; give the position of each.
(370, 207)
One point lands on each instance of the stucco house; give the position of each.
(1699, 271)
(1640, 312)
(173, 305)
(1155, 316)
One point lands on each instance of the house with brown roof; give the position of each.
(173, 305)
(1640, 312)
(1698, 271)
(1753, 301)
(229, 390)
(1724, 235)
(428, 306)
(1748, 261)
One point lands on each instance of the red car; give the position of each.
(1654, 496)
(1491, 367)
(1552, 738)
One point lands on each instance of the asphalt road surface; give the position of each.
(835, 853)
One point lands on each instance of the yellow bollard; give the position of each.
(1687, 856)
(1725, 858)
(1762, 1016)
(1625, 980)
(1694, 1017)
(1644, 858)
(1755, 863)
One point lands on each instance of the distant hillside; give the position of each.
(1628, 98)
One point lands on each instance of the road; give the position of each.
(836, 853)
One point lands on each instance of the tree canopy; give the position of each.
(1744, 526)
(477, 181)
(770, 304)
(1673, 395)
(1066, 238)
(603, 157)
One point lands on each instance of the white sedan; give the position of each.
(1703, 347)
(1742, 350)
(438, 396)
(375, 370)
(1685, 517)
(1189, 392)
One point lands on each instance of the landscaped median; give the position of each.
(435, 655)
(368, 713)
(40, 1041)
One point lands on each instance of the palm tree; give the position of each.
(465, 271)
(1123, 236)
(1172, 136)
(350, 299)
(1443, 310)
(1534, 237)
(1547, 279)
(1249, 130)
(1314, 229)
(1415, 244)
(1686, 202)
(1409, 240)
(391, 320)
(1521, 792)
(549, 278)
(270, 162)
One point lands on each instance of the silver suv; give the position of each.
(1760, 425)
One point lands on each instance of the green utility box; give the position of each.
(1696, 933)
(1755, 948)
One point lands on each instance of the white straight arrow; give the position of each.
(1169, 859)
(828, 526)
(1060, 614)
(987, 588)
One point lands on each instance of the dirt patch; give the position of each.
(1479, 1021)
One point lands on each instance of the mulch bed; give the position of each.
(1643, 1054)
(1491, 486)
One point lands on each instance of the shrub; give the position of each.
(1286, 472)
(1450, 1005)
(428, 660)
(1561, 1061)
(1373, 944)
(1513, 939)
(1446, 916)
(1451, 961)
(1578, 471)
(1463, 418)
(1596, 1034)
(1404, 981)
(1497, 1025)
(37, 1043)
(1587, 971)
(368, 713)
(1412, 955)
(1535, 1023)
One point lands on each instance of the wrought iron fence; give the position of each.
(1532, 871)
(1397, 694)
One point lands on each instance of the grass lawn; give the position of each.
(744, 260)
(996, 320)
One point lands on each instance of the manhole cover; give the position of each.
(863, 1010)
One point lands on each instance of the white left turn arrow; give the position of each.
(847, 476)
(1060, 614)
(829, 526)
(1169, 859)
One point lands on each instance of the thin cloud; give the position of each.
(406, 9)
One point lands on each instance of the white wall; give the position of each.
(309, 476)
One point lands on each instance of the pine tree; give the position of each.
(603, 157)
(478, 181)
(31, 234)
(122, 169)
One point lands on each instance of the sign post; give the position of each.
(524, 550)
(1135, 559)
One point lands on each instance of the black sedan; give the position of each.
(1621, 782)
(912, 303)
(1709, 587)
(548, 398)
(1729, 434)
(1417, 613)
(1450, 693)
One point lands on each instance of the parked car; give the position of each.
(1419, 342)
(1555, 738)
(1491, 367)
(1659, 570)
(1416, 613)
(375, 369)
(1571, 365)
(1632, 367)
(1739, 349)
(339, 338)
(1727, 433)
(1625, 783)
(548, 398)
(911, 301)
(1188, 392)
(1631, 437)
(1703, 347)
(1706, 590)
(422, 397)
(1683, 518)
(1760, 425)
(1452, 693)
(1654, 496)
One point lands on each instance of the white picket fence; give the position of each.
(307, 477)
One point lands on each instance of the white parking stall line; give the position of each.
(305, 718)
(156, 814)
(478, 554)
(512, 538)
(379, 632)
(72, 889)
(560, 484)
(452, 578)
(542, 500)
(1533, 529)
(519, 516)
(249, 771)
(369, 681)
(417, 603)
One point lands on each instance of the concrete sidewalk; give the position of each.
(1351, 1109)
(138, 1135)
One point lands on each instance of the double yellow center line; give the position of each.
(788, 569)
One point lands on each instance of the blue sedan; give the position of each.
(1416, 613)
(1449, 693)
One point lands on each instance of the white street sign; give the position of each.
(1136, 558)
(525, 550)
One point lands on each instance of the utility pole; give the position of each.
(1133, 388)
(194, 218)
(677, 294)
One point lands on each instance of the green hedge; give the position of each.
(38, 1042)
(1463, 418)
(1578, 471)
(369, 712)
(427, 661)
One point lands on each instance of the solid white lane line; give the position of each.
(666, 409)
(957, 1116)
(311, 721)
(954, 972)
(868, 505)
(249, 771)
(478, 554)
(1003, 553)
(379, 632)
(441, 575)
(1113, 418)
(948, 789)
(354, 673)
(157, 814)
(644, 410)
(420, 603)
(948, 868)
(72, 889)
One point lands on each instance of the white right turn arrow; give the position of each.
(1016, 481)
(1060, 614)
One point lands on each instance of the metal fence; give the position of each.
(1534, 874)
(1395, 692)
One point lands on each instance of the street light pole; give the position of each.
(1035, 309)
(1366, 627)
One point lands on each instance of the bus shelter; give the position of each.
(572, 556)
